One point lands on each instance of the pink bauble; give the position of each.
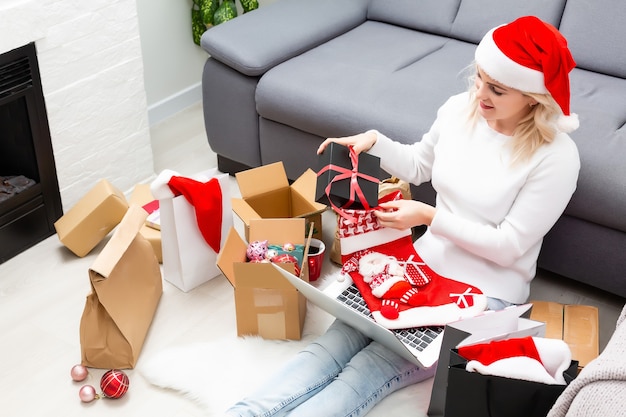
(79, 373)
(288, 247)
(114, 383)
(256, 250)
(87, 393)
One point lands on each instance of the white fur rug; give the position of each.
(218, 373)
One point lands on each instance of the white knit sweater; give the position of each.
(491, 215)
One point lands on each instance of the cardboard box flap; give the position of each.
(306, 185)
(278, 231)
(262, 276)
(233, 251)
(580, 332)
(272, 204)
(262, 179)
(141, 195)
(243, 210)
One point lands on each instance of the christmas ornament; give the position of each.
(256, 250)
(286, 258)
(271, 253)
(87, 394)
(289, 247)
(79, 373)
(114, 383)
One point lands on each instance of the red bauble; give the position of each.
(114, 383)
(286, 258)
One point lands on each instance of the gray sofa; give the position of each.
(280, 79)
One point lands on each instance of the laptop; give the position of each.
(420, 345)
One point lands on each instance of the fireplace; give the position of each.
(30, 201)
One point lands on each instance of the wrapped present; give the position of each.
(347, 180)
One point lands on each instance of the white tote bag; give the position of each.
(188, 260)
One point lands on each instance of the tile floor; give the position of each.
(42, 297)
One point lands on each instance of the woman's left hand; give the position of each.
(404, 214)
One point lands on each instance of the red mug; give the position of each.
(316, 258)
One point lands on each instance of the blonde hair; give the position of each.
(537, 128)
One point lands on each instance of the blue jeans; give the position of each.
(342, 373)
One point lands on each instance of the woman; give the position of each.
(504, 170)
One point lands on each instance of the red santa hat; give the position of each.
(530, 55)
(529, 358)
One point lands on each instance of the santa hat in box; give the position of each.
(420, 297)
(205, 197)
(533, 359)
(530, 55)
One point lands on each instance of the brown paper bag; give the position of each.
(126, 288)
(385, 187)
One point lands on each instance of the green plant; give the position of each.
(208, 13)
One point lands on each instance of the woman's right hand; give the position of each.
(360, 143)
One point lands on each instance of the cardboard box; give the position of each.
(266, 194)
(577, 325)
(338, 157)
(266, 304)
(141, 196)
(92, 218)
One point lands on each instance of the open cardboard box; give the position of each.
(266, 304)
(576, 325)
(92, 218)
(266, 194)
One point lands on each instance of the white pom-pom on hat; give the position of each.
(160, 188)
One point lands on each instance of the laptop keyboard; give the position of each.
(417, 337)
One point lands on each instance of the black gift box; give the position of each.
(474, 394)
(336, 160)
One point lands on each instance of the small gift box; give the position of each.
(347, 180)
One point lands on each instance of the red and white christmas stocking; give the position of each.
(428, 300)
(534, 359)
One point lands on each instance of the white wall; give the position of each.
(172, 62)
(92, 75)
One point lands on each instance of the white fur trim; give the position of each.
(506, 71)
(518, 367)
(555, 359)
(555, 355)
(364, 241)
(432, 316)
(160, 188)
(569, 123)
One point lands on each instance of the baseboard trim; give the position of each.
(173, 104)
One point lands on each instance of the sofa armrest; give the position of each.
(259, 40)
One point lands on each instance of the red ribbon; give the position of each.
(355, 189)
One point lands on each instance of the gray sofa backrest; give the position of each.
(432, 16)
(466, 20)
(596, 34)
(595, 29)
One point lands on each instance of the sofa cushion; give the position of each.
(247, 45)
(398, 82)
(596, 34)
(601, 140)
